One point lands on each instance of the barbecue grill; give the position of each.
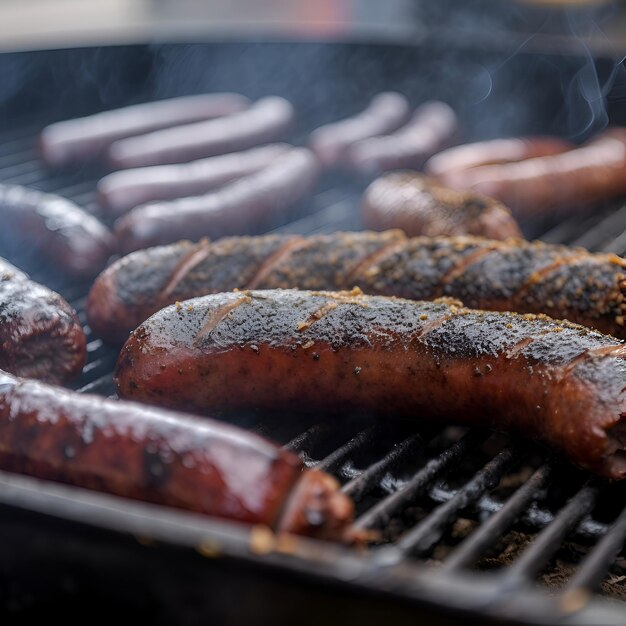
(468, 524)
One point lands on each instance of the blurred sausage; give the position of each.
(70, 141)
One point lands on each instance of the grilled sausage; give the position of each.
(121, 191)
(505, 150)
(385, 113)
(267, 119)
(59, 230)
(577, 178)
(40, 335)
(421, 206)
(431, 129)
(513, 275)
(342, 352)
(165, 458)
(71, 141)
(243, 206)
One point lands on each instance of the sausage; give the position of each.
(432, 128)
(164, 457)
(121, 191)
(343, 352)
(385, 113)
(267, 119)
(243, 206)
(59, 230)
(71, 141)
(513, 275)
(504, 150)
(578, 178)
(40, 335)
(419, 205)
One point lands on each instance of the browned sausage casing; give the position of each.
(62, 232)
(386, 112)
(343, 352)
(432, 128)
(494, 151)
(243, 206)
(419, 205)
(267, 119)
(163, 457)
(515, 275)
(40, 335)
(88, 137)
(577, 178)
(121, 191)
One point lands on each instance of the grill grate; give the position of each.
(417, 486)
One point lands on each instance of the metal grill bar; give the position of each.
(549, 539)
(421, 540)
(385, 509)
(595, 566)
(339, 455)
(486, 534)
(370, 478)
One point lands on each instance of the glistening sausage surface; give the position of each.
(419, 205)
(121, 191)
(243, 206)
(575, 179)
(163, 457)
(59, 230)
(40, 335)
(385, 113)
(70, 141)
(343, 352)
(505, 150)
(268, 119)
(515, 275)
(432, 128)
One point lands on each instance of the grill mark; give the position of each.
(316, 316)
(617, 351)
(367, 265)
(186, 264)
(538, 275)
(434, 325)
(217, 316)
(463, 264)
(513, 351)
(335, 298)
(268, 264)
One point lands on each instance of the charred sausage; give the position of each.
(121, 191)
(432, 128)
(385, 113)
(71, 141)
(243, 206)
(577, 178)
(342, 352)
(505, 150)
(40, 335)
(421, 206)
(59, 230)
(165, 458)
(266, 120)
(513, 275)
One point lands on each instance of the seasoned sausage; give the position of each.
(575, 179)
(343, 352)
(505, 150)
(163, 457)
(421, 206)
(385, 113)
(59, 230)
(121, 191)
(267, 119)
(40, 335)
(432, 128)
(88, 137)
(514, 275)
(243, 206)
